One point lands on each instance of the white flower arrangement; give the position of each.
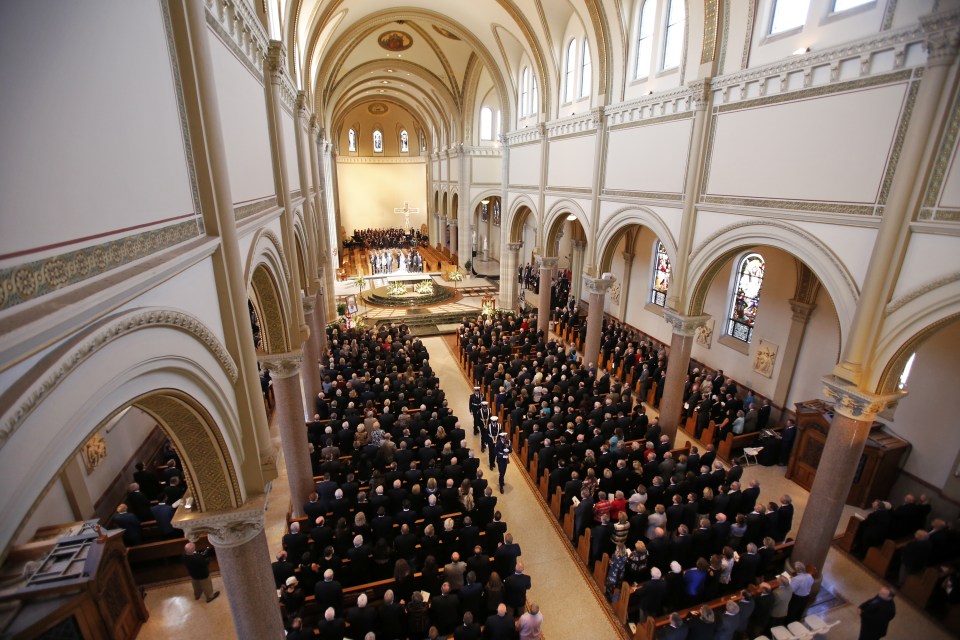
(397, 289)
(456, 276)
(424, 288)
(360, 281)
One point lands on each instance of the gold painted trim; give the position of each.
(944, 155)
(710, 19)
(654, 195)
(791, 205)
(686, 115)
(899, 137)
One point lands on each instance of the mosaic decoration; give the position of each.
(395, 41)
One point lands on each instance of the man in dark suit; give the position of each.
(331, 627)
(132, 533)
(469, 630)
(515, 589)
(876, 614)
(295, 543)
(282, 569)
(445, 610)
(163, 514)
(650, 594)
(499, 626)
(784, 518)
(389, 623)
(361, 618)
(787, 439)
(198, 566)
(148, 481)
(328, 593)
(137, 503)
(675, 630)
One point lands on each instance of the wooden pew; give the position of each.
(733, 444)
(849, 537)
(884, 560)
(919, 587)
(583, 546)
(568, 523)
(160, 561)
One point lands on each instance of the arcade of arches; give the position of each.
(770, 194)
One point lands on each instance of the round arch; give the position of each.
(555, 218)
(707, 259)
(454, 205)
(621, 222)
(520, 211)
(300, 241)
(910, 320)
(265, 264)
(163, 361)
(443, 209)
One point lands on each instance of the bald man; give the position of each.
(198, 566)
(875, 614)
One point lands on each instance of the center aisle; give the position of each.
(572, 608)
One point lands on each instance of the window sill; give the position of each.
(667, 72)
(840, 15)
(736, 345)
(654, 308)
(783, 35)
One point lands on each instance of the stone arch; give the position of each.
(163, 361)
(621, 222)
(301, 244)
(712, 253)
(910, 320)
(436, 201)
(555, 220)
(520, 211)
(454, 205)
(268, 291)
(485, 194)
(443, 209)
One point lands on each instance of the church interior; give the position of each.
(234, 190)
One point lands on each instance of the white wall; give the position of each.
(123, 438)
(290, 149)
(649, 158)
(571, 162)
(243, 117)
(922, 417)
(819, 352)
(525, 165)
(833, 148)
(370, 192)
(54, 508)
(487, 170)
(88, 123)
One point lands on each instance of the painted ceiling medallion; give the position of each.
(378, 108)
(445, 33)
(395, 40)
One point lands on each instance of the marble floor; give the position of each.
(570, 602)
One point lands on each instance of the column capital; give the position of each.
(514, 246)
(453, 222)
(852, 402)
(224, 528)
(801, 310)
(548, 262)
(700, 97)
(282, 365)
(684, 325)
(597, 116)
(579, 244)
(627, 258)
(599, 286)
(503, 139)
(276, 54)
(309, 302)
(942, 30)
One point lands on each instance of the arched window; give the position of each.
(788, 15)
(352, 140)
(661, 276)
(746, 297)
(645, 38)
(486, 123)
(524, 91)
(534, 97)
(569, 82)
(673, 40)
(378, 141)
(404, 141)
(586, 73)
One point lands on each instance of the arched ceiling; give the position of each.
(340, 54)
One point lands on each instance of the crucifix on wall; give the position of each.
(406, 210)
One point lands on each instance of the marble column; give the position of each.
(311, 357)
(854, 413)
(454, 240)
(548, 267)
(444, 239)
(576, 267)
(285, 372)
(508, 276)
(597, 289)
(320, 322)
(625, 285)
(241, 547)
(681, 343)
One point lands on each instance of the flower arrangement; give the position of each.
(397, 289)
(455, 275)
(424, 288)
(360, 281)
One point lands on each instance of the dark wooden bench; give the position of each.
(732, 445)
(159, 561)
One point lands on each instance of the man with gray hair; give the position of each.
(361, 619)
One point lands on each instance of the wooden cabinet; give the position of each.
(81, 587)
(878, 466)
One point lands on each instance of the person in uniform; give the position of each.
(493, 432)
(481, 422)
(504, 449)
(476, 398)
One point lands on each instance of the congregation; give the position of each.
(394, 238)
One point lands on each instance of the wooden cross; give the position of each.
(406, 211)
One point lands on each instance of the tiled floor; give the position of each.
(569, 602)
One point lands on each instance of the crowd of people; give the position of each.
(654, 511)
(400, 497)
(384, 261)
(395, 238)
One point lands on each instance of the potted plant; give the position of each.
(341, 308)
(468, 265)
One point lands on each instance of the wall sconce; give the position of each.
(801, 51)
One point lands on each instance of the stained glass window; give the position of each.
(378, 141)
(746, 297)
(661, 276)
(352, 138)
(404, 141)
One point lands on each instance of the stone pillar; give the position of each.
(454, 240)
(904, 199)
(311, 357)
(597, 289)
(326, 269)
(854, 412)
(576, 267)
(625, 285)
(508, 276)
(285, 372)
(548, 266)
(444, 239)
(681, 343)
(241, 547)
(320, 322)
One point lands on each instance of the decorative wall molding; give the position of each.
(923, 289)
(240, 30)
(942, 163)
(655, 108)
(253, 208)
(25, 282)
(598, 286)
(493, 152)
(791, 205)
(282, 365)
(227, 528)
(523, 136)
(380, 160)
(112, 329)
(649, 195)
(684, 325)
(583, 123)
(854, 403)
